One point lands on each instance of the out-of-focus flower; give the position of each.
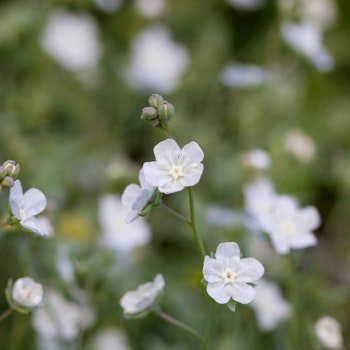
(110, 339)
(322, 13)
(246, 4)
(306, 38)
(223, 217)
(174, 168)
(136, 197)
(243, 75)
(150, 8)
(108, 6)
(116, 233)
(300, 145)
(72, 40)
(257, 159)
(64, 265)
(229, 276)
(25, 206)
(289, 226)
(61, 319)
(26, 292)
(328, 332)
(143, 299)
(270, 306)
(157, 62)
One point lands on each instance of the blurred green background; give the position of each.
(76, 131)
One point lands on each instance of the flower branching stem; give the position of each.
(6, 314)
(209, 324)
(175, 213)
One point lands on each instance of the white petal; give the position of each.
(218, 293)
(249, 270)
(192, 175)
(304, 240)
(280, 243)
(16, 199)
(143, 182)
(33, 224)
(167, 151)
(154, 175)
(243, 293)
(227, 250)
(309, 218)
(191, 154)
(285, 206)
(130, 195)
(212, 270)
(171, 187)
(34, 202)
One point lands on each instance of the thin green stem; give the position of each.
(175, 213)
(209, 324)
(193, 223)
(179, 324)
(6, 314)
(293, 325)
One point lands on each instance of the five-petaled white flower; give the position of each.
(229, 276)
(25, 206)
(143, 298)
(174, 168)
(290, 226)
(136, 197)
(26, 292)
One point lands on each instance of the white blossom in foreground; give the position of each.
(246, 4)
(157, 62)
(25, 206)
(143, 298)
(135, 197)
(257, 159)
(72, 40)
(269, 305)
(116, 233)
(174, 168)
(229, 276)
(328, 332)
(110, 339)
(300, 145)
(290, 226)
(26, 292)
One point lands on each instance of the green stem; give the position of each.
(175, 213)
(209, 324)
(178, 324)
(293, 324)
(5, 314)
(193, 224)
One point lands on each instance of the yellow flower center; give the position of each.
(176, 172)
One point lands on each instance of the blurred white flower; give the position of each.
(116, 233)
(110, 339)
(135, 197)
(25, 206)
(257, 159)
(322, 13)
(270, 306)
(243, 75)
(290, 226)
(64, 265)
(150, 8)
(157, 62)
(72, 40)
(174, 168)
(229, 276)
(26, 292)
(300, 145)
(108, 6)
(61, 319)
(306, 38)
(223, 217)
(246, 4)
(328, 332)
(143, 298)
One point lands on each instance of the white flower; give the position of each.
(328, 332)
(144, 297)
(25, 206)
(300, 145)
(321, 12)
(72, 40)
(246, 4)
(243, 75)
(223, 217)
(289, 226)
(256, 159)
(135, 197)
(270, 306)
(108, 6)
(157, 62)
(61, 319)
(26, 292)
(306, 38)
(151, 8)
(174, 168)
(229, 276)
(110, 339)
(116, 233)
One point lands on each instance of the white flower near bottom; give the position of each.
(174, 168)
(328, 332)
(110, 339)
(290, 226)
(229, 276)
(25, 207)
(135, 197)
(26, 292)
(269, 305)
(143, 298)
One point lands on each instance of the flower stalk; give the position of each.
(5, 314)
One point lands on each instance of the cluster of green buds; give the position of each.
(8, 174)
(159, 112)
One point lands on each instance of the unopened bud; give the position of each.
(7, 182)
(150, 114)
(166, 111)
(155, 100)
(12, 168)
(3, 173)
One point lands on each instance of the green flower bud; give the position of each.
(149, 113)
(7, 182)
(155, 100)
(3, 173)
(12, 168)
(166, 111)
